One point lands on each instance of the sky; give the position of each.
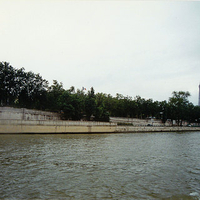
(145, 48)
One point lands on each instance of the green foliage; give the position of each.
(70, 105)
(53, 94)
(179, 106)
(20, 88)
(8, 91)
(101, 113)
(124, 124)
(25, 89)
(90, 105)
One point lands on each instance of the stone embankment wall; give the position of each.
(22, 126)
(14, 120)
(31, 121)
(136, 129)
(137, 122)
(8, 113)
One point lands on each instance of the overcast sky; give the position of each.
(145, 48)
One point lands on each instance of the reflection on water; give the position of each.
(100, 166)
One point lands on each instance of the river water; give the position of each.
(100, 166)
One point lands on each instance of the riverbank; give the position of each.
(59, 126)
(135, 129)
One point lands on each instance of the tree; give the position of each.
(163, 110)
(31, 89)
(101, 113)
(194, 114)
(90, 105)
(178, 106)
(8, 91)
(54, 92)
(20, 88)
(71, 105)
(140, 107)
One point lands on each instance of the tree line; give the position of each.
(19, 88)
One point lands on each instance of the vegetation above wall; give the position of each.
(19, 88)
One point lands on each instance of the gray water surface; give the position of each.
(100, 166)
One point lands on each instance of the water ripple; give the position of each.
(107, 166)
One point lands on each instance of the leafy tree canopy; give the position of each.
(19, 88)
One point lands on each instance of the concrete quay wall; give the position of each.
(9, 113)
(22, 126)
(136, 129)
(53, 127)
(21, 120)
(136, 121)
